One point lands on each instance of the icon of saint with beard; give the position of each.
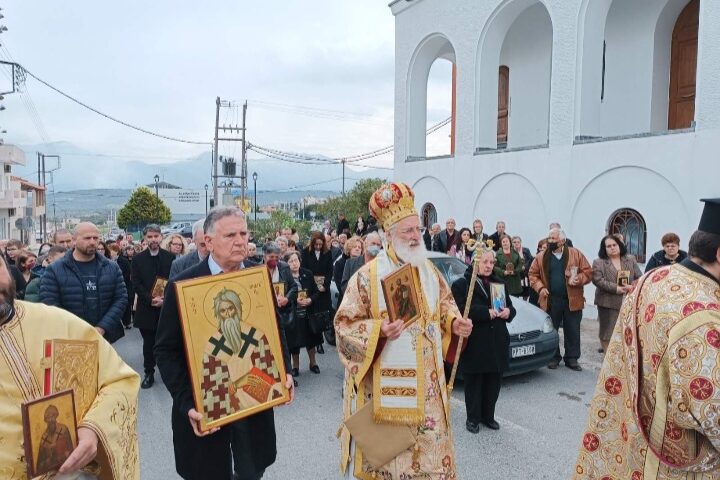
(55, 444)
(239, 370)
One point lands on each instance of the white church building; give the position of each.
(603, 115)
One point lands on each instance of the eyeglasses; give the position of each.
(408, 231)
(176, 244)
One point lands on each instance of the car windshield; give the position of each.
(450, 267)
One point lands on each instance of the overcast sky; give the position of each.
(161, 64)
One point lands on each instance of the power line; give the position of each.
(109, 117)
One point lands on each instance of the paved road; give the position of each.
(541, 414)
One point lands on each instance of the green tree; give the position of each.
(143, 208)
(277, 221)
(353, 204)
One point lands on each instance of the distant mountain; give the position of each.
(83, 170)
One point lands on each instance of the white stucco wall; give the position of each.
(663, 177)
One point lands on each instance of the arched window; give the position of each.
(631, 225)
(429, 215)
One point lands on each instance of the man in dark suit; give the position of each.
(446, 239)
(147, 267)
(430, 237)
(495, 237)
(200, 456)
(192, 258)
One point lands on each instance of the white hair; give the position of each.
(218, 213)
(197, 226)
(560, 232)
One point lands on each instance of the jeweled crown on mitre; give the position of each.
(391, 203)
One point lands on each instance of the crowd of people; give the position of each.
(110, 286)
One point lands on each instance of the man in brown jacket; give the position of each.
(559, 275)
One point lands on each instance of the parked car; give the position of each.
(533, 339)
(175, 228)
(186, 231)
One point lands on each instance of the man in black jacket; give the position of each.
(147, 267)
(446, 240)
(87, 285)
(499, 233)
(200, 456)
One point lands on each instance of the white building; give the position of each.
(20, 200)
(603, 115)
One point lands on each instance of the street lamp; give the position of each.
(255, 191)
(206, 202)
(157, 179)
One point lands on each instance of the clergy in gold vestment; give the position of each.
(656, 409)
(106, 431)
(399, 369)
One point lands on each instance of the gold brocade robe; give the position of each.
(113, 414)
(656, 409)
(357, 326)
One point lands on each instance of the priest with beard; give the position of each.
(107, 447)
(383, 355)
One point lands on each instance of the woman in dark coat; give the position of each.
(486, 356)
(318, 259)
(297, 327)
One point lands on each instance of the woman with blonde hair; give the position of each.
(175, 244)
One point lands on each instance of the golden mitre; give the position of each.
(391, 203)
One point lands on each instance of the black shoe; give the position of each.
(314, 369)
(295, 372)
(472, 427)
(553, 364)
(148, 381)
(574, 366)
(492, 424)
(601, 350)
(295, 382)
(320, 349)
(128, 327)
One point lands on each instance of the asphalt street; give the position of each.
(542, 415)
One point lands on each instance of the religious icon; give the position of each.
(279, 288)
(50, 432)
(498, 296)
(158, 289)
(72, 365)
(302, 294)
(509, 268)
(319, 281)
(232, 341)
(400, 289)
(623, 278)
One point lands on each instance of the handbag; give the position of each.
(379, 442)
(320, 322)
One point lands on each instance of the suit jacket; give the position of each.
(351, 266)
(184, 262)
(604, 277)
(495, 238)
(489, 342)
(200, 458)
(440, 242)
(145, 269)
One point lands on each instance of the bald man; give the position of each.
(87, 284)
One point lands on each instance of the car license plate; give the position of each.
(523, 351)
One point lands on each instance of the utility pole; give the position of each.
(229, 138)
(215, 152)
(243, 166)
(343, 164)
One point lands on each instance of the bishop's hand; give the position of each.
(391, 329)
(84, 453)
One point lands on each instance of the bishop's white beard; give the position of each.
(411, 252)
(230, 327)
